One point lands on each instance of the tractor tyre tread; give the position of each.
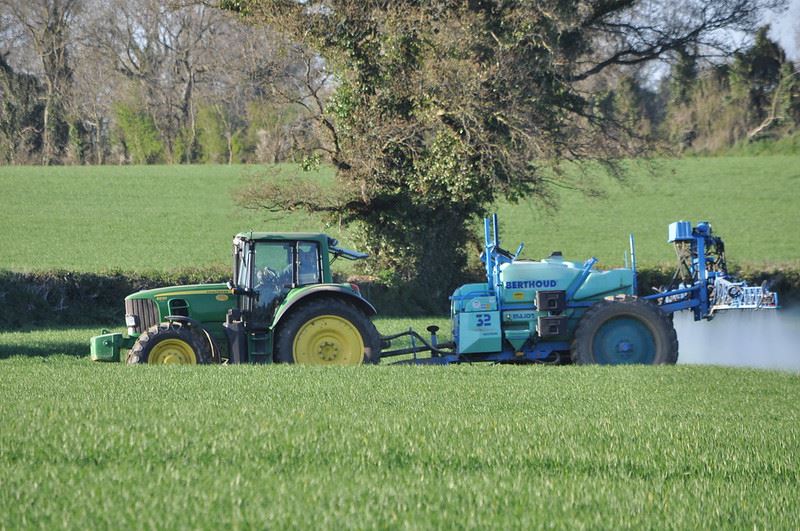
(155, 334)
(291, 324)
(661, 323)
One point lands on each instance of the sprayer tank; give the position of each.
(520, 280)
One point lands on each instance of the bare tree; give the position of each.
(164, 50)
(96, 86)
(629, 32)
(257, 80)
(48, 25)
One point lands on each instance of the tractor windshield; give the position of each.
(280, 266)
(273, 271)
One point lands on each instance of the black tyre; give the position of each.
(327, 331)
(623, 332)
(171, 344)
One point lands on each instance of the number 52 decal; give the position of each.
(483, 319)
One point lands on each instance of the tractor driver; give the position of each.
(273, 271)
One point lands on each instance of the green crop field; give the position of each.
(127, 217)
(170, 217)
(86, 445)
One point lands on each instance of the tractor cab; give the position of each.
(272, 274)
(266, 267)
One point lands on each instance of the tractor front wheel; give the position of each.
(327, 331)
(170, 344)
(616, 332)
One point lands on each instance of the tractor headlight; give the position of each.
(132, 322)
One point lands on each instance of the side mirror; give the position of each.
(236, 290)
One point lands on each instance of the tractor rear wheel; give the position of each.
(170, 344)
(327, 331)
(615, 332)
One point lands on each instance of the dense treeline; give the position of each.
(706, 108)
(148, 81)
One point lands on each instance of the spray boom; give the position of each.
(703, 282)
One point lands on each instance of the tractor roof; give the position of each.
(331, 243)
(287, 236)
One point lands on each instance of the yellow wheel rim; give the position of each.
(328, 340)
(172, 352)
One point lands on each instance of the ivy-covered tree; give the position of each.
(442, 107)
(138, 135)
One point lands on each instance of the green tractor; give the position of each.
(281, 306)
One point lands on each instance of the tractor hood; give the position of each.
(191, 290)
(206, 303)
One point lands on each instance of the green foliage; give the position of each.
(77, 145)
(311, 163)
(211, 135)
(184, 147)
(787, 145)
(755, 73)
(633, 108)
(788, 106)
(266, 138)
(342, 105)
(714, 118)
(446, 173)
(90, 445)
(683, 75)
(435, 119)
(137, 132)
(57, 130)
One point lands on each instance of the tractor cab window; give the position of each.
(272, 271)
(308, 263)
(241, 265)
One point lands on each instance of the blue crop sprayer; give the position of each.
(557, 311)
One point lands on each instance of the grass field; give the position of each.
(168, 217)
(87, 445)
(84, 445)
(132, 218)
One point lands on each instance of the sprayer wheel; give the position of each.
(631, 330)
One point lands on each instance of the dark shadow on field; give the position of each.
(70, 347)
